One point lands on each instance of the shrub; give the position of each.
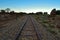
(52, 31)
(51, 25)
(45, 21)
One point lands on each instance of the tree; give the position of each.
(7, 9)
(12, 12)
(39, 13)
(31, 13)
(58, 12)
(2, 11)
(45, 13)
(22, 13)
(53, 12)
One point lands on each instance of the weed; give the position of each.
(51, 25)
(52, 31)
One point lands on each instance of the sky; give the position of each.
(30, 5)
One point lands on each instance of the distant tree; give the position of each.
(53, 12)
(45, 13)
(39, 13)
(22, 13)
(7, 9)
(58, 12)
(31, 13)
(2, 11)
(12, 12)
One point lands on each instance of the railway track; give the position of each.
(28, 31)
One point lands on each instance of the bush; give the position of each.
(45, 21)
(51, 25)
(52, 31)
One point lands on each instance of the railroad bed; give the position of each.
(28, 31)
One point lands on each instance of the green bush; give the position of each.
(51, 25)
(45, 21)
(52, 31)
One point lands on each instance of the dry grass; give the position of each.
(52, 24)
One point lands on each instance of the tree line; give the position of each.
(8, 11)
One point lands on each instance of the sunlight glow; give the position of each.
(33, 10)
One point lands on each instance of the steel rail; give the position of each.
(35, 27)
(22, 26)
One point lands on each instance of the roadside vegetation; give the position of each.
(8, 15)
(50, 21)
